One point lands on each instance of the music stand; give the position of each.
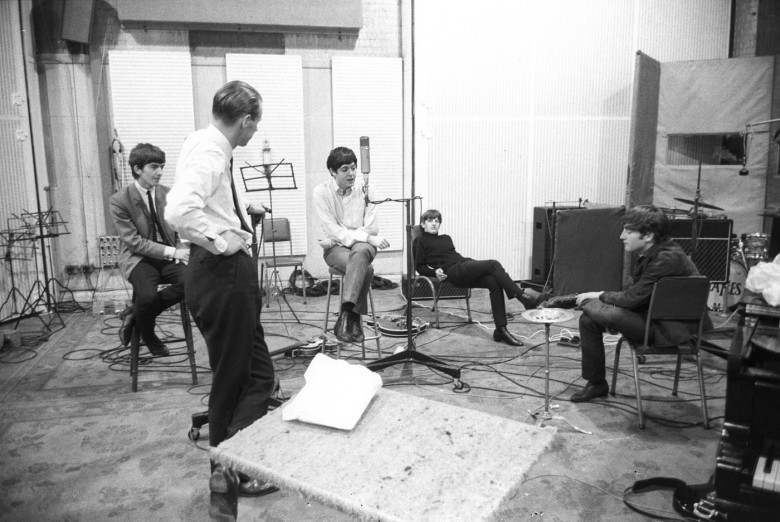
(42, 226)
(410, 354)
(264, 182)
(548, 316)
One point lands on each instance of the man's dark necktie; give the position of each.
(236, 207)
(157, 234)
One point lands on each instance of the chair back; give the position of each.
(679, 298)
(275, 230)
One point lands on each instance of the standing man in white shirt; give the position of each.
(149, 253)
(221, 284)
(351, 237)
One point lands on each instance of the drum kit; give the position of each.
(746, 251)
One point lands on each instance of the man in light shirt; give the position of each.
(351, 237)
(149, 254)
(221, 283)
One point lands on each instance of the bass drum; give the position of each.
(723, 296)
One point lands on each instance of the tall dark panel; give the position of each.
(713, 245)
(588, 253)
(77, 20)
(544, 244)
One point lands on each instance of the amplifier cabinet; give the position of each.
(713, 245)
(544, 243)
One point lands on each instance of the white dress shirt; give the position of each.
(200, 204)
(169, 250)
(345, 217)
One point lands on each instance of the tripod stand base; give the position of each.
(413, 356)
(544, 416)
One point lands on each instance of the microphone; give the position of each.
(365, 163)
(266, 157)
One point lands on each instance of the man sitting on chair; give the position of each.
(351, 237)
(148, 255)
(645, 234)
(435, 256)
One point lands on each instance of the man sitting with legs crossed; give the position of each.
(351, 238)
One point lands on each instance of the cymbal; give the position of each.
(702, 205)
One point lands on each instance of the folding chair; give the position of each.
(426, 288)
(277, 230)
(675, 299)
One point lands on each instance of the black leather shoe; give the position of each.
(567, 302)
(157, 348)
(255, 488)
(355, 327)
(128, 321)
(591, 391)
(531, 298)
(504, 335)
(342, 327)
(223, 485)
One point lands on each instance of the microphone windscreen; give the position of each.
(365, 155)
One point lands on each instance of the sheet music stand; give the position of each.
(41, 226)
(16, 249)
(269, 180)
(410, 354)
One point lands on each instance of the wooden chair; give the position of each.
(426, 288)
(678, 299)
(333, 272)
(277, 230)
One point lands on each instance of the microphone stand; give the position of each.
(410, 354)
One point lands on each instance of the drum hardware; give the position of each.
(755, 248)
(700, 203)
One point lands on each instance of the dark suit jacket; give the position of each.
(665, 259)
(134, 226)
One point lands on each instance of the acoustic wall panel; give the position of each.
(279, 80)
(151, 97)
(367, 101)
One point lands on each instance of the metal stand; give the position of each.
(34, 227)
(266, 181)
(547, 316)
(410, 354)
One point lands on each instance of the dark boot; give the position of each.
(355, 327)
(531, 298)
(342, 327)
(501, 334)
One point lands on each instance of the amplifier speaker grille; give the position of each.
(713, 245)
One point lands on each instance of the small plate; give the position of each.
(547, 315)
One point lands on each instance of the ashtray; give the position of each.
(547, 315)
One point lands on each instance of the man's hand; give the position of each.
(182, 255)
(581, 298)
(378, 242)
(257, 212)
(235, 243)
(440, 275)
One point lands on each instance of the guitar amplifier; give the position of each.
(713, 245)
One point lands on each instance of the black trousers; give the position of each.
(224, 298)
(486, 274)
(148, 301)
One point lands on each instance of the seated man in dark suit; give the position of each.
(148, 255)
(435, 256)
(646, 235)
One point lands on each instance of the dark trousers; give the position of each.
(148, 301)
(223, 295)
(597, 318)
(486, 274)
